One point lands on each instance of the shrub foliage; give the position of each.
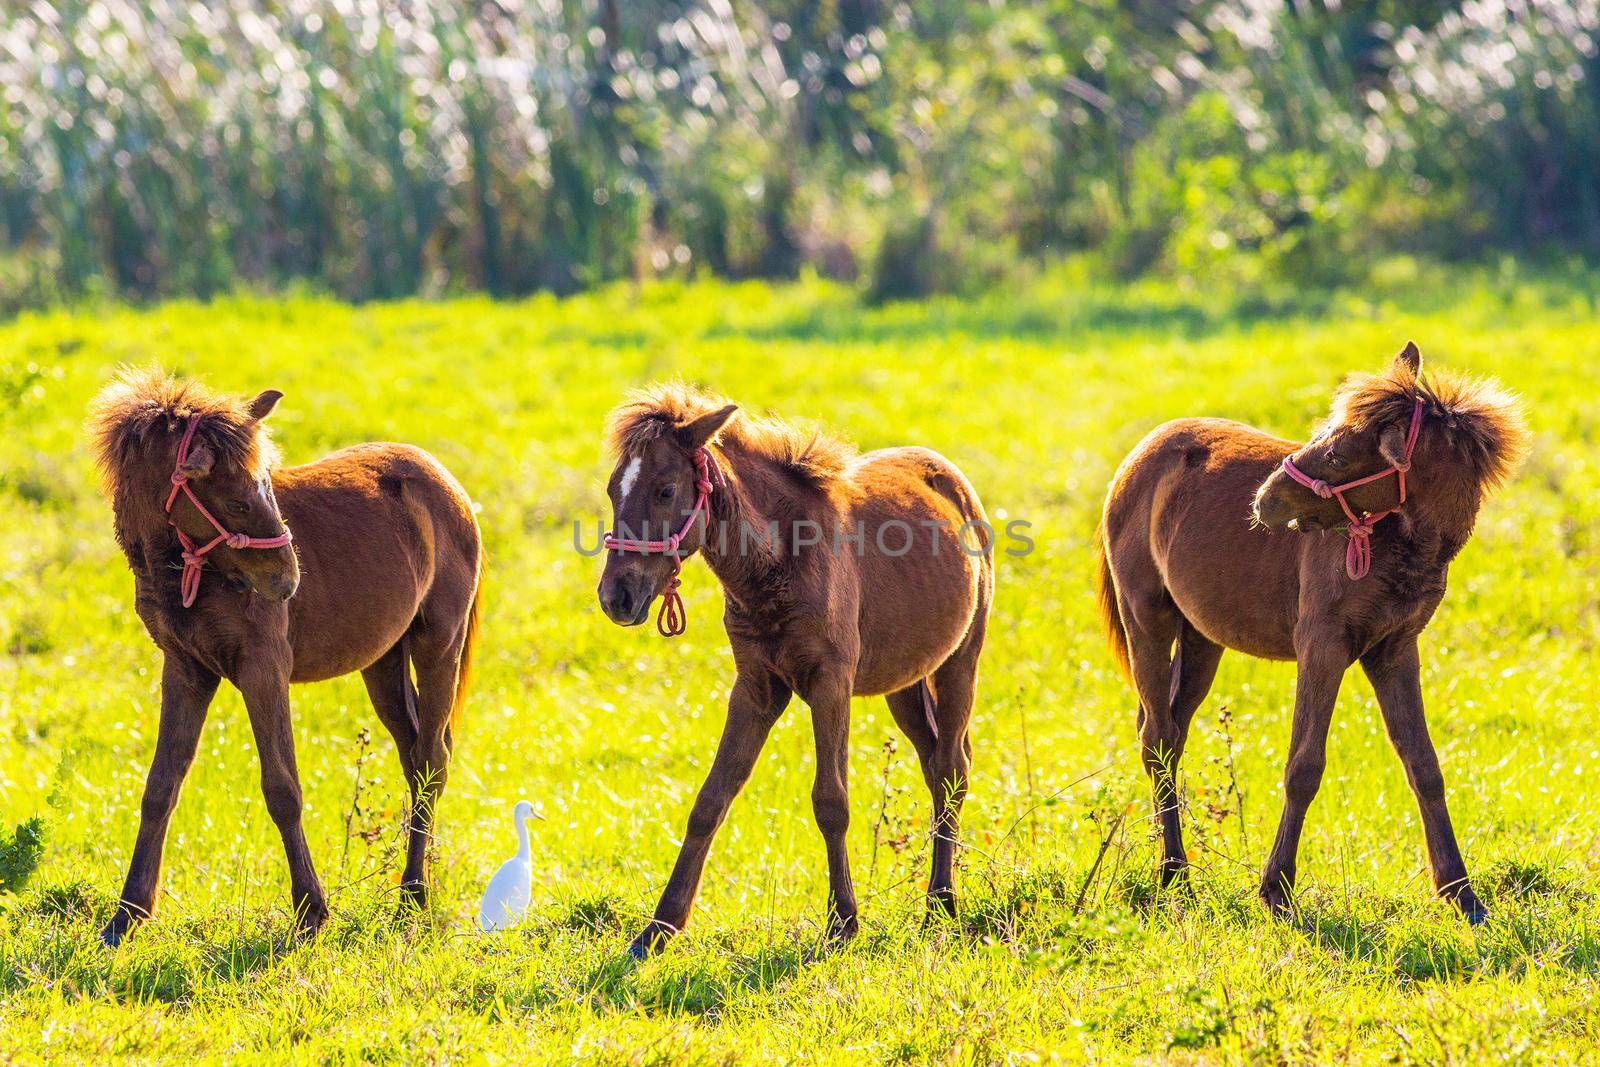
(153, 148)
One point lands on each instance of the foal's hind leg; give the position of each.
(394, 698)
(1194, 668)
(436, 642)
(911, 715)
(1153, 624)
(435, 646)
(947, 758)
(1193, 671)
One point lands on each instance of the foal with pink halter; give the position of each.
(808, 616)
(1358, 556)
(194, 558)
(1196, 556)
(391, 590)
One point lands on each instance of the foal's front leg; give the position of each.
(1322, 668)
(266, 697)
(758, 698)
(830, 798)
(186, 692)
(1395, 671)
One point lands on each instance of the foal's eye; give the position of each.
(238, 507)
(666, 493)
(1337, 462)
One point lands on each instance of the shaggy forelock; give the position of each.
(650, 413)
(143, 408)
(1483, 421)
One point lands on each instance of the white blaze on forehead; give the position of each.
(630, 474)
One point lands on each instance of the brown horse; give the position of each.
(843, 574)
(381, 577)
(1184, 573)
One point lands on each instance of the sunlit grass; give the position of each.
(1036, 395)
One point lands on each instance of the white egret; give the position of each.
(505, 900)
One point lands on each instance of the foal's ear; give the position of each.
(1410, 358)
(263, 404)
(199, 461)
(1392, 445)
(695, 434)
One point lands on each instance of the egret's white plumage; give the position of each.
(505, 900)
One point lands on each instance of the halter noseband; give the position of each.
(1358, 555)
(671, 621)
(194, 558)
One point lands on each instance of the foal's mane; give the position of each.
(813, 456)
(1482, 421)
(143, 409)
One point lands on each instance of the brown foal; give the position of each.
(381, 576)
(843, 574)
(1194, 558)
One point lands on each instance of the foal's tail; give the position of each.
(464, 670)
(1105, 592)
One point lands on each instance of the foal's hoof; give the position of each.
(1471, 908)
(942, 903)
(413, 896)
(1174, 873)
(843, 927)
(123, 920)
(115, 931)
(652, 939)
(1278, 899)
(310, 914)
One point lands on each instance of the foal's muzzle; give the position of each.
(626, 598)
(1281, 505)
(1269, 508)
(1272, 518)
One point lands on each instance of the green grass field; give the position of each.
(1037, 394)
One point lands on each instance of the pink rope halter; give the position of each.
(672, 621)
(1358, 554)
(194, 558)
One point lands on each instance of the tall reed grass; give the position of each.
(155, 147)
